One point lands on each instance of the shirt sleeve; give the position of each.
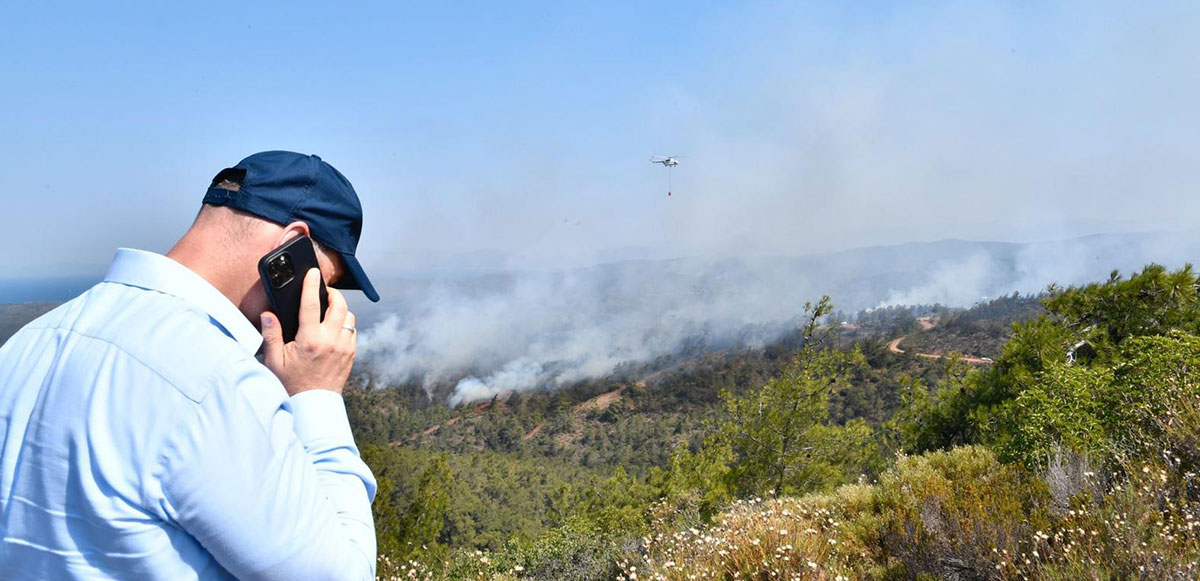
(273, 487)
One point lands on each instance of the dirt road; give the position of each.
(894, 347)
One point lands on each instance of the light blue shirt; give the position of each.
(141, 439)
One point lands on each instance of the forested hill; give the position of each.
(1026, 438)
(1048, 438)
(524, 464)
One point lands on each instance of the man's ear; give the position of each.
(297, 228)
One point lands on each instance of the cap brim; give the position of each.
(358, 278)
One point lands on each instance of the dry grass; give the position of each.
(928, 522)
(784, 538)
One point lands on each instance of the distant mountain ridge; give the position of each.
(13, 317)
(857, 278)
(44, 289)
(760, 288)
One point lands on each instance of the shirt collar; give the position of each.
(156, 272)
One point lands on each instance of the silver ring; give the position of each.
(349, 328)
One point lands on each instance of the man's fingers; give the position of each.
(272, 338)
(310, 298)
(335, 316)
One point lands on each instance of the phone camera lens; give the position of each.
(280, 270)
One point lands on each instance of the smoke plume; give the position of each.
(496, 334)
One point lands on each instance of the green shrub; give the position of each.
(1135, 405)
(956, 514)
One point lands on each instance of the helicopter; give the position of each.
(668, 162)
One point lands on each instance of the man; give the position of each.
(140, 438)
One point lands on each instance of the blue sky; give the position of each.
(516, 134)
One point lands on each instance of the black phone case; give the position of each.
(285, 300)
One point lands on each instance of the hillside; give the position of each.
(1071, 453)
(635, 420)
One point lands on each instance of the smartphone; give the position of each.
(282, 271)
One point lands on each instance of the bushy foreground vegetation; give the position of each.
(1075, 456)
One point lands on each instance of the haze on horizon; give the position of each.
(518, 135)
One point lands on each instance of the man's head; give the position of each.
(257, 206)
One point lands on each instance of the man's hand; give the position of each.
(323, 352)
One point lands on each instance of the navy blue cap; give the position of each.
(283, 187)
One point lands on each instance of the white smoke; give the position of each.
(1030, 268)
(950, 283)
(531, 330)
(516, 375)
(506, 333)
